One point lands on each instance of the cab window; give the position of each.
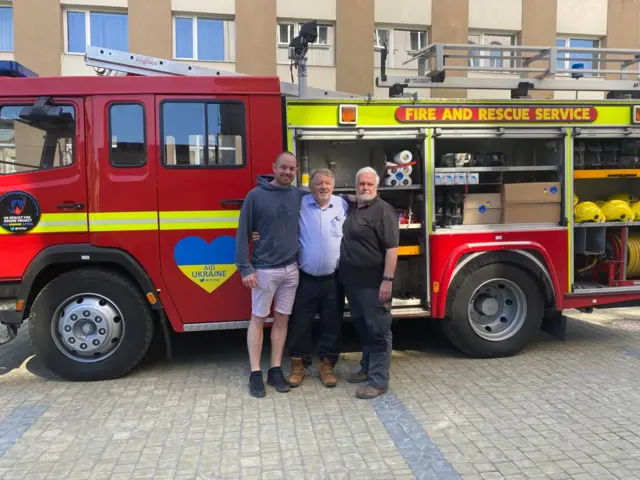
(29, 143)
(127, 133)
(203, 134)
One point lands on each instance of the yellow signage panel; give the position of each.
(383, 113)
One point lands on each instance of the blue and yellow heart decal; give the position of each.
(208, 265)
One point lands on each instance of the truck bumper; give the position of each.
(10, 320)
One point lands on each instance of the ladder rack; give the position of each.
(517, 68)
(109, 62)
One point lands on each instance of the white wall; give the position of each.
(319, 77)
(307, 10)
(504, 15)
(74, 65)
(91, 4)
(408, 12)
(7, 56)
(582, 17)
(215, 7)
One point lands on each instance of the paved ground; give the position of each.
(559, 410)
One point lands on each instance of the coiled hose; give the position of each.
(633, 253)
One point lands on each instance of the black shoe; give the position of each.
(256, 385)
(276, 379)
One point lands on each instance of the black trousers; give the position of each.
(372, 322)
(317, 295)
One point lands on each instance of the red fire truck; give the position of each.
(120, 194)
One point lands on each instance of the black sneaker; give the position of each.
(256, 385)
(276, 379)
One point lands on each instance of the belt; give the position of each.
(318, 277)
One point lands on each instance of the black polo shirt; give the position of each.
(367, 233)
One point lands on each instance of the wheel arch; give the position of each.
(58, 259)
(534, 260)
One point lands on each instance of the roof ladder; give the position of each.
(109, 62)
(519, 69)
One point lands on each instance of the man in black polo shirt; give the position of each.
(368, 257)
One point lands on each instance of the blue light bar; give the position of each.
(13, 69)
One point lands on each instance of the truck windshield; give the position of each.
(28, 147)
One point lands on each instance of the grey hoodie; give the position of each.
(273, 211)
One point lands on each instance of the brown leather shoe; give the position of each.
(326, 373)
(370, 392)
(358, 377)
(297, 372)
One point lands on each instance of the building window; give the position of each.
(590, 61)
(381, 38)
(6, 29)
(418, 40)
(127, 133)
(288, 31)
(496, 60)
(206, 39)
(320, 53)
(203, 134)
(37, 145)
(98, 29)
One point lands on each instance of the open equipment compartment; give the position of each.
(399, 163)
(498, 177)
(606, 213)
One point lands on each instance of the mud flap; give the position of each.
(555, 324)
(7, 333)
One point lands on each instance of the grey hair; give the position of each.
(322, 171)
(367, 170)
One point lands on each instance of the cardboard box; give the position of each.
(539, 192)
(538, 202)
(531, 213)
(460, 179)
(482, 209)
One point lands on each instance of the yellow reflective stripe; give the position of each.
(123, 221)
(200, 220)
(135, 221)
(57, 223)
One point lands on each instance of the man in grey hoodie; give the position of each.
(273, 209)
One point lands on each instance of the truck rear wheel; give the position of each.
(90, 324)
(494, 310)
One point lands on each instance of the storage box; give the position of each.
(531, 213)
(482, 209)
(539, 192)
(460, 178)
(538, 202)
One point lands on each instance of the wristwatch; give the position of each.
(387, 279)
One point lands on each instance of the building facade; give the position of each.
(251, 36)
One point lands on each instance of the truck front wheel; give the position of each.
(494, 310)
(90, 324)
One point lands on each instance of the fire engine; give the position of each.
(120, 193)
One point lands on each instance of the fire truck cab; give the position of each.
(120, 197)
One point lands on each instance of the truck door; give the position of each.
(203, 175)
(123, 203)
(43, 185)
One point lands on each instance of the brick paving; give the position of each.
(559, 410)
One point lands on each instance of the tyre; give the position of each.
(493, 310)
(90, 324)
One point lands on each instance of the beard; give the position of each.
(364, 198)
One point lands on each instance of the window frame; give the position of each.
(74, 142)
(13, 28)
(296, 28)
(566, 39)
(194, 37)
(412, 31)
(389, 38)
(110, 105)
(205, 102)
(87, 26)
(505, 62)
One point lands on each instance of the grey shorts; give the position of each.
(276, 286)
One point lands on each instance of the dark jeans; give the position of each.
(316, 295)
(372, 322)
